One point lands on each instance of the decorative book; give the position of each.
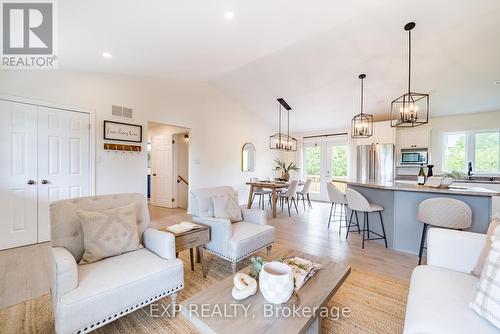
(182, 227)
(302, 270)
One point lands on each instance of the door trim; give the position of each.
(90, 112)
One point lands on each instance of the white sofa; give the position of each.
(231, 241)
(440, 292)
(89, 296)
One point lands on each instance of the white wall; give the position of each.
(182, 145)
(219, 127)
(467, 122)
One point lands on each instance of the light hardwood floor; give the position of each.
(24, 271)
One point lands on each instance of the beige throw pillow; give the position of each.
(486, 249)
(487, 302)
(227, 206)
(108, 232)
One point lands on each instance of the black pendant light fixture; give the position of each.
(283, 141)
(410, 109)
(362, 124)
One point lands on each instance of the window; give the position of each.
(339, 161)
(312, 164)
(481, 147)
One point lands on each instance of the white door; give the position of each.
(162, 180)
(18, 174)
(63, 160)
(323, 161)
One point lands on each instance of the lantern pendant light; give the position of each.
(283, 141)
(362, 124)
(411, 109)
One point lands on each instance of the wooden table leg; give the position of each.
(275, 200)
(250, 196)
(197, 255)
(202, 260)
(191, 257)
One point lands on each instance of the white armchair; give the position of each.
(441, 291)
(231, 241)
(89, 296)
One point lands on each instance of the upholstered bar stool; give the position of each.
(358, 203)
(337, 197)
(442, 212)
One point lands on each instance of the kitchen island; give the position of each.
(400, 200)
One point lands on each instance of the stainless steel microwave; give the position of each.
(413, 157)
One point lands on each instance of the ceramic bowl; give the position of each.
(447, 181)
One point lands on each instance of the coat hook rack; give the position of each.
(122, 147)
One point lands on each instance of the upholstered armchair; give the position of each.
(231, 241)
(89, 296)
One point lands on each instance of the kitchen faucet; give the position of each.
(469, 169)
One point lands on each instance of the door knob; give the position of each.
(45, 181)
(154, 174)
(31, 182)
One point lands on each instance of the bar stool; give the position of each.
(442, 212)
(337, 197)
(358, 203)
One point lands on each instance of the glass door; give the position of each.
(324, 161)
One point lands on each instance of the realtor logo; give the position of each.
(28, 35)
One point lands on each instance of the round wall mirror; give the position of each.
(248, 158)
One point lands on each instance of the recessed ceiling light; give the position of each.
(229, 15)
(497, 82)
(107, 55)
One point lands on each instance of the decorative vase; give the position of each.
(276, 282)
(285, 176)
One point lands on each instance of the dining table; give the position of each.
(274, 186)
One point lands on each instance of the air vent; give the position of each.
(124, 112)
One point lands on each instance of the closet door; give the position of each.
(63, 160)
(18, 174)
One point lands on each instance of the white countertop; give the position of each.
(413, 186)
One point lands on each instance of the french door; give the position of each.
(44, 156)
(324, 160)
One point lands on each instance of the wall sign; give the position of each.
(122, 131)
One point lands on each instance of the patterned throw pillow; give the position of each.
(495, 222)
(108, 232)
(487, 302)
(227, 206)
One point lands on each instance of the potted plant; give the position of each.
(285, 169)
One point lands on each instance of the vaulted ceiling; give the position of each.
(308, 52)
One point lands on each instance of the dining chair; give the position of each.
(289, 197)
(257, 191)
(305, 193)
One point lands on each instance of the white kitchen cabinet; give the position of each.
(413, 138)
(383, 133)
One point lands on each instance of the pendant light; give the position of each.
(283, 141)
(410, 109)
(362, 124)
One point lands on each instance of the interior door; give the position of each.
(162, 177)
(63, 160)
(18, 174)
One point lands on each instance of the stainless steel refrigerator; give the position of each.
(375, 162)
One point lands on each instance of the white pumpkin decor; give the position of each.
(276, 282)
(244, 286)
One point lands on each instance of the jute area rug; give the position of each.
(377, 305)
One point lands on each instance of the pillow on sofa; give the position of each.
(487, 302)
(484, 253)
(108, 232)
(227, 206)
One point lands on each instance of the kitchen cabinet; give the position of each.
(383, 133)
(413, 138)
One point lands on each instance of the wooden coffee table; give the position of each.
(202, 309)
(193, 239)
